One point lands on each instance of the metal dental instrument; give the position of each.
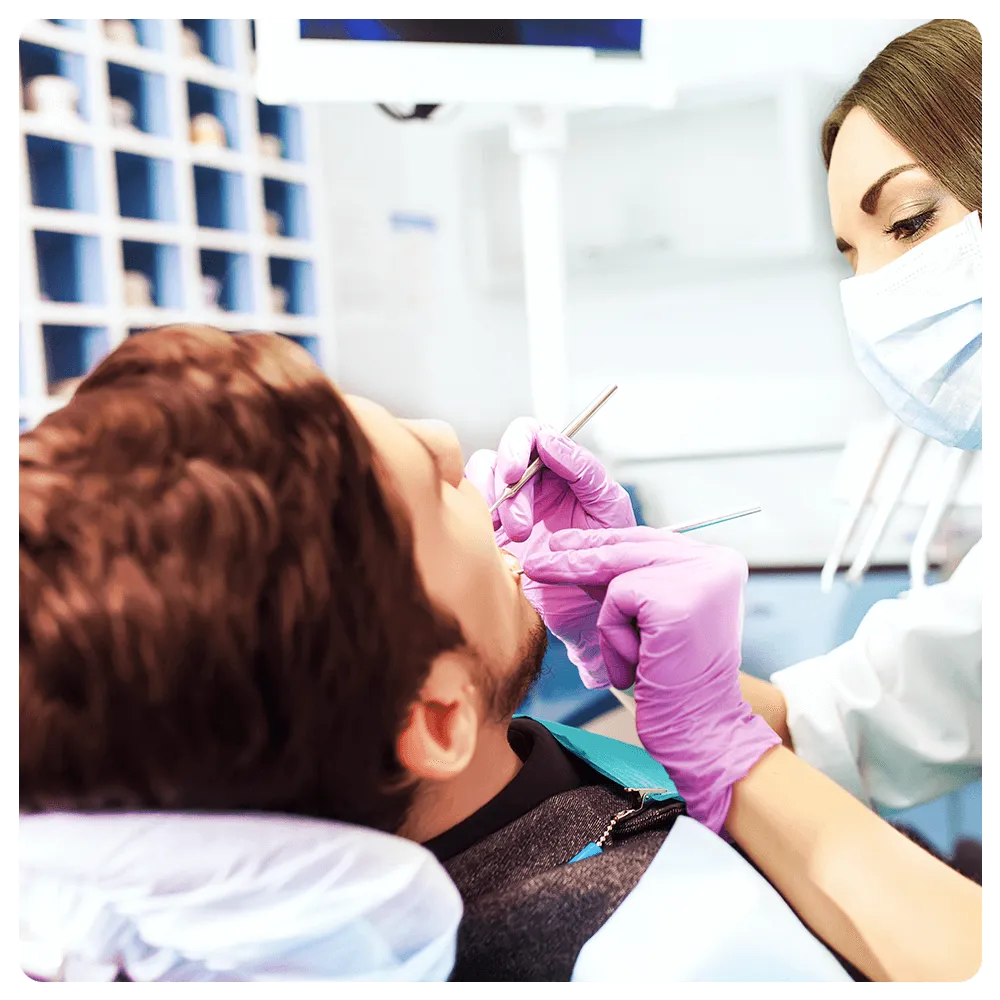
(914, 443)
(954, 468)
(891, 430)
(569, 430)
(708, 521)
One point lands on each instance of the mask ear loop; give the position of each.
(849, 526)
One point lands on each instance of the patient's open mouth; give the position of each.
(512, 563)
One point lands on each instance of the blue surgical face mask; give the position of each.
(916, 327)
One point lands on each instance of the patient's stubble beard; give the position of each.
(505, 694)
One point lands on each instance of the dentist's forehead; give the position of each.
(862, 153)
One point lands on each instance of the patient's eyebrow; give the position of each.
(869, 201)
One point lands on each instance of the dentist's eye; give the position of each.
(907, 229)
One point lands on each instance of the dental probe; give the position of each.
(569, 430)
(679, 529)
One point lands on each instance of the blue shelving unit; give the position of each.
(107, 201)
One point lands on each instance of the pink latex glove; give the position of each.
(671, 622)
(573, 491)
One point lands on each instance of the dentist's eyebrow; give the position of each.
(869, 201)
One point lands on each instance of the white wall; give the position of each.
(412, 331)
(703, 274)
(705, 52)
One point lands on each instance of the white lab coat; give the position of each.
(894, 715)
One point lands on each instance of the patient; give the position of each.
(241, 590)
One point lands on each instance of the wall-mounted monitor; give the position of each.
(583, 63)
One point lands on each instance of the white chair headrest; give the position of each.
(164, 896)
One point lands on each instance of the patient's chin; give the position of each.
(507, 693)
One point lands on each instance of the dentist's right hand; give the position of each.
(671, 623)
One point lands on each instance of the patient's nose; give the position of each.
(442, 440)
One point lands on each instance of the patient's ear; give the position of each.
(439, 738)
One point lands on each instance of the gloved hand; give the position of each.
(573, 491)
(671, 621)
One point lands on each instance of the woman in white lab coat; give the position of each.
(895, 714)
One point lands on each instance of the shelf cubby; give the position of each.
(42, 60)
(72, 351)
(69, 267)
(216, 38)
(296, 278)
(221, 104)
(145, 187)
(285, 123)
(146, 92)
(232, 273)
(61, 174)
(220, 198)
(161, 264)
(149, 32)
(289, 201)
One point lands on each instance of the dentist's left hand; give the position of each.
(573, 490)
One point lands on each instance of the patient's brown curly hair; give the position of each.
(219, 608)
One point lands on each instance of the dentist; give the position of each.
(894, 715)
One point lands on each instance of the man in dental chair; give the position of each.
(242, 592)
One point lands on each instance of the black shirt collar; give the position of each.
(546, 770)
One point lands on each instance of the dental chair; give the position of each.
(143, 897)
(187, 897)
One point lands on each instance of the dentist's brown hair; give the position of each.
(925, 89)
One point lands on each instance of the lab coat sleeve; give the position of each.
(894, 715)
(700, 913)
